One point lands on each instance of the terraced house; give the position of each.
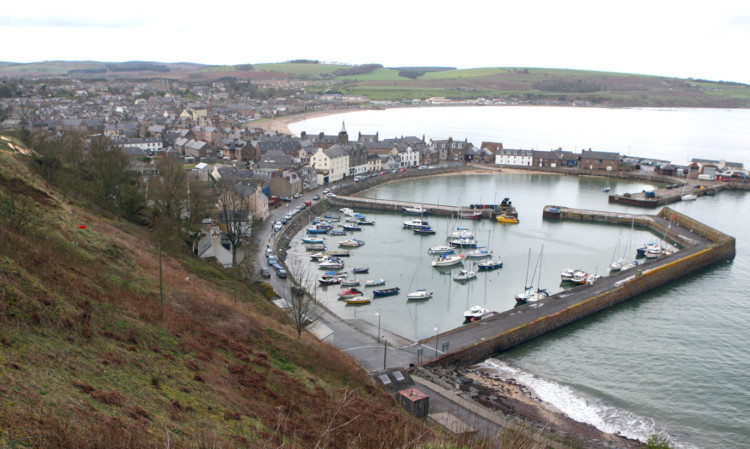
(331, 164)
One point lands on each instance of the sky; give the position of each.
(657, 37)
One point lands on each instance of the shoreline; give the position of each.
(281, 124)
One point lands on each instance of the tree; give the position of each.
(302, 293)
(235, 212)
(658, 441)
(106, 166)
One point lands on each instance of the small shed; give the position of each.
(415, 402)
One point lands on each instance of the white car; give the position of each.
(331, 195)
(325, 192)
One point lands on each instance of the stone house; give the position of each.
(600, 160)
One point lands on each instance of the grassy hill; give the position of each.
(90, 359)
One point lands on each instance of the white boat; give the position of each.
(530, 294)
(419, 294)
(491, 264)
(461, 233)
(417, 210)
(351, 243)
(374, 282)
(687, 196)
(479, 253)
(567, 274)
(463, 242)
(477, 313)
(416, 223)
(464, 275)
(441, 249)
(579, 277)
(447, 260)
(331, 263)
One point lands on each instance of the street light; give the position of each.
(378, 315)
(436, 340)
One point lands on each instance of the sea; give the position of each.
(674, 360)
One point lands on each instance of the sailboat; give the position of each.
(418, 294)
(492, 263)
(530, 294)
(689, 196)
(606, 186)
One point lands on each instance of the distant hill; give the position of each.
(508, 84)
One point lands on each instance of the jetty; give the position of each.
(701, 246)
(485, 210)
(663, 196)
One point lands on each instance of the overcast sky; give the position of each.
(657, 37)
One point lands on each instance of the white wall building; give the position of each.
(514, 157)
(331, 164)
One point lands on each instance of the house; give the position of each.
(553, 159)
(520, 158)
(331, 164)
(198, 149)
(149, 145)
(407, 156)
(217, 246)
(257, 200)
(600, 160)
(357, 158)
(285, 183)
(374, 163)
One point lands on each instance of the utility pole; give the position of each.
(385, 351)
(161, 286)
(436, 340)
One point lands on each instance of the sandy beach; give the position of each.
(281, 124)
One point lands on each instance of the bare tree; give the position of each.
(235, 215)
(303, 293)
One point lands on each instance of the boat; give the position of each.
(463, 242)
(479, 253)
(360, 270)
(312, 240)
(474, 215)
(358, 300)
(351, 243)
(447, 260)
(424, 230)
(711, 191)
(477, 313)
(350, 293)
(579, 277)
(332, 217)
(419, 294)
(567, 274)
(504, 218)
(688, 196)
(336, 232)
(440, 249)
(416, 223)
(349, 283)
(317, 229)
(315, 247)
(386, 292)
(461, 233)
(331, 263)
(329, 280)
(374, 282)
(338, 253)
(465, 275)
(416, 210)
(366, 222)
(318, 256)
(489, 265)
(606, 188)
(529, 293)
(351, 227)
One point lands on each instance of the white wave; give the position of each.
(579, 407)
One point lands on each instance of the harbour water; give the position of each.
(674, 359)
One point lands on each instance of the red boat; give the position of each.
(352, 292)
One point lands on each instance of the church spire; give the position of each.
(343, 126)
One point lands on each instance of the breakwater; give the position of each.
(704, 246)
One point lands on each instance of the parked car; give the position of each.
(325, 191)
(402, 170)
(265, 272)
(286, 199)
(307, 203)
(331, 195)
(296, 195)
(316, 197)
(281, 273)
(272, 260)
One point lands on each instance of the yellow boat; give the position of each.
(358, 300)
(502, 218)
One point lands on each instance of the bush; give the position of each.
(658, 441)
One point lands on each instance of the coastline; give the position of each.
(280, 125)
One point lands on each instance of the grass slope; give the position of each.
(88, 360)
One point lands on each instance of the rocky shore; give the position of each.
(511, 399)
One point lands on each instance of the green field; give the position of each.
(464, 73)
(296, 69)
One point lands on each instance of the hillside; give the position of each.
(89, 359)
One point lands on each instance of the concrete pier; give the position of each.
(703, 246)
(433, 209)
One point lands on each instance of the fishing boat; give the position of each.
(349, 283)
(447, 260)
(489, 265)
(351, 227)
(332, 217)
(579, 277)
(441, 249)
(479, 253)
(419, 294)
(424, 230)
(312, 240)
(463, 242)
(335, 232)
(358, 300)
(360, 270)
(366, 222)
(329, 280)
(477, 313)
(568, 273)
(416, 210)
(504, 218)
(317, 229)
(351, 243)
(350, 293)
(386, 292)
(465, 275)
(315, 247)
(416, 223)
(473, 215)
(374, 282)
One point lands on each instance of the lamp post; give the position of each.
(436, 340)
(378, 315)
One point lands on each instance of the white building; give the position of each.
(514, 157)
(331, 164)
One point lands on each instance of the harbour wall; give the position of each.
(680, 264)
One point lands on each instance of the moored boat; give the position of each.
(417, 210)
(374, 282)
(366, 222)
(461, 233)
(477, 313)
(419, 294)
(338, 253)
(329, 280)
(440, 249)
(312, 240)
(351, 243)
(336, 232)
(465, 275)
(358, 300)
(416, 223)
(479, 253)
(447, 260)
(360, 270)
(331, 263)
(424, 230)
(350, 293)
(504, 218)
(386, 292)
(349, 283)
(463, 242)
(492, 264)
(351, 227)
